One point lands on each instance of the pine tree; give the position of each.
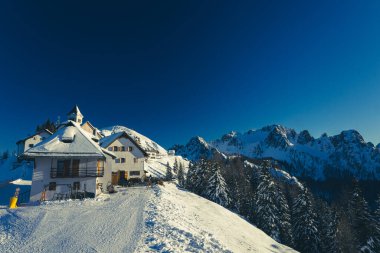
(49, 125)
(328, 230)
(5, 155)
(376, 245)
(175, 166)
(361, 221)
(216, 188)
(304, 223)
(189, 183)
(169, 173)
(286, 236)
(271, 210)
(181, 176)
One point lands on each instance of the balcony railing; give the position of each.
(73, 173)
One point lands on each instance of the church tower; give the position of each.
(75, 115)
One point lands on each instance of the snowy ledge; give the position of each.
(179, 221)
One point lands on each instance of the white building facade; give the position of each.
(69, 163)
(130, 156)
(31, 141)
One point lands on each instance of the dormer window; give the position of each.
(68, 135)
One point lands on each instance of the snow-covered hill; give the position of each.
(162, 219)
(146, 143)
(318, 158)
(155, 166)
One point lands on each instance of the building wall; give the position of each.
(130, 164)
(23, 146)
(90, 130)
(87, 128)
(106, 179)
(41, 178)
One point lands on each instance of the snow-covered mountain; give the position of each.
(345, 154)
(146, 143)
(196, 149)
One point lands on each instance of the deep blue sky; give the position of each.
(172, 70)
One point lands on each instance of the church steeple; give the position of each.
(75, 115)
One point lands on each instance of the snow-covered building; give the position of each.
(31, 141)
(130, 156)
(87, 126)
(69, 161)
(75, 115)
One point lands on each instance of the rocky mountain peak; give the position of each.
(304, 137)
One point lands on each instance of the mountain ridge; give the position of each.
(344, 154)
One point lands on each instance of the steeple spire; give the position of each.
(75, 115)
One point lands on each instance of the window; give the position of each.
(130, 148)
(135, 160)
(75, 168)
(117, 160)
(134, 173)
(122, 160)
(52, 186)
(122, 148)
(30, 145)
(110, 148)
(63, 167)
(115, 148)
(100, 168)
(76, 185)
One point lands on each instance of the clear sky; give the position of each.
(175, 69)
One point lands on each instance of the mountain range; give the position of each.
(301, 154)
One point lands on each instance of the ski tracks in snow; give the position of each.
(76, 226)
(168, 230)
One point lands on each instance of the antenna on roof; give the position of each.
(58, 122)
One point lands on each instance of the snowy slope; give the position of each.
(76, 226)
(327, 156)
(180, 221)
(157, 167)
(10, 169)
(160, 219)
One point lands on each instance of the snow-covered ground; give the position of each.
(180, 221)
(157, 167)
(159, 219)
(115, 225)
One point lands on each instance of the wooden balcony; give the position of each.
(77, 172)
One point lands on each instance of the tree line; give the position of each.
(290, 214)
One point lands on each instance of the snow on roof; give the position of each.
(21, 182)
(68, 134)
(147, 144)
(81, 145)
(106, 141)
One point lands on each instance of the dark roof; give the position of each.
(44, 130)
(106, 141)
(74, 110)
